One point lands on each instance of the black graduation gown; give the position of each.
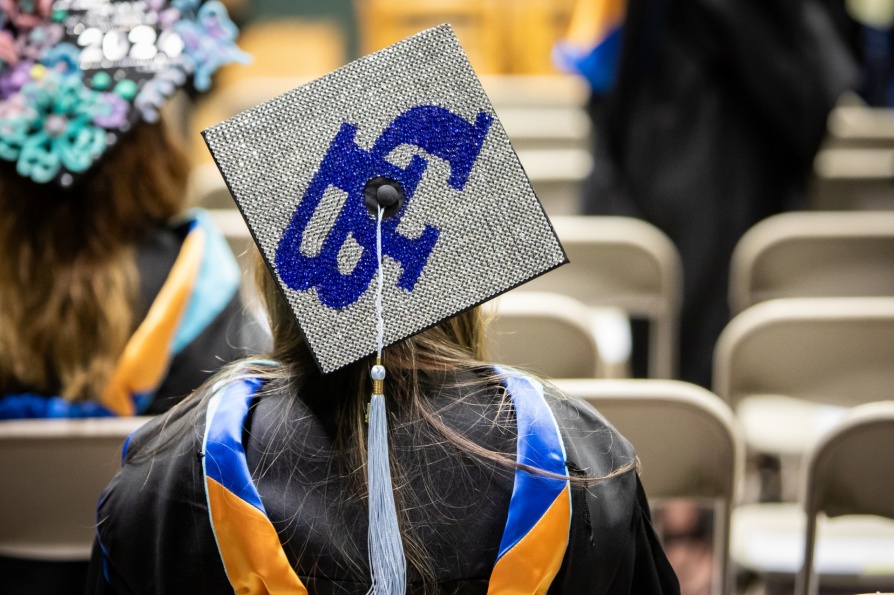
(154, 535)
(718, 110)
(232, 334)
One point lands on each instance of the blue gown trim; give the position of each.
(540, 446)
(224, 459)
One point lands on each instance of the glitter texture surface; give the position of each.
(415, 112)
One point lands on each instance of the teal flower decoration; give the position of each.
(58, 131)
(63, 97)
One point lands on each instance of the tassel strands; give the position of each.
(388, 566)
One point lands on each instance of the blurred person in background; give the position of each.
(876, 19)
(113, 299)
(707, 116)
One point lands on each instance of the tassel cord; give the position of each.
(380, 321)
(387, 564)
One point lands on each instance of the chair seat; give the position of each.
(53, 471)
(782, 425)
(769, 539)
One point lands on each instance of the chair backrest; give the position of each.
(849, 472)
(53, 473)
(860, 126)
(839, 254)
(625, 263)
(686, 439)
(476, 23)
(855, 169)
(833, 351)
(499, 37)
(847, 179)
(318, 47)
(547, 333)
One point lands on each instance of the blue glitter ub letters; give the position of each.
(435, 130)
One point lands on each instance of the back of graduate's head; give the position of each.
(138, 184)
(87, 170)
(453, 344)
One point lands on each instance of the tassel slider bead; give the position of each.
(378, 377)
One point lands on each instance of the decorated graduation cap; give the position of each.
(385, 198)
(77, 74)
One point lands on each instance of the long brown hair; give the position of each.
(68, 279)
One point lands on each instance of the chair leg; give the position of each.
(722, 584)
(662, 347)
(806, 583)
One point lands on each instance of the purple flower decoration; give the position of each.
(168, 18)
(13, 79)
(39, 40)
(113, 111)
(210, 42)
(155, 92)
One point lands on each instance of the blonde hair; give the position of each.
(68, 279)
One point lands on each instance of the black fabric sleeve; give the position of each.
(612, 548)
(153, 530)
(232, 335)
(652, 572)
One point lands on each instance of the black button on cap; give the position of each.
(387, 195)
(383, 193)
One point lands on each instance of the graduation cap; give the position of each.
(385, 198)
(411, 122)
(77, 74)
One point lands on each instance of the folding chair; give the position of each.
(855, 168)
(847, 179)
(53, 473)
(838, 254)
(548, 333)
(686, 440)
(860, 126)
(850, 473)
(623, 263)
(789, 366)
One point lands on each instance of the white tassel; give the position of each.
(387, 564)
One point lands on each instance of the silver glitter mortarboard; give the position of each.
(413, 115)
